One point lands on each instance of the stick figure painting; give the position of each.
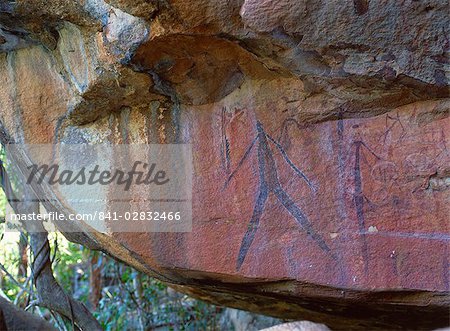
(269, 184)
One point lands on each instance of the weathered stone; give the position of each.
(353, 96)
(240, 320)
(298, 326)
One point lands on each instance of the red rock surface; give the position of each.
(320, 134)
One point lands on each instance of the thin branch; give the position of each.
(15, 281)
(23, 290)
(32, 304)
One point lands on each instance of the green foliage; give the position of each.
(2, 194)
(121, 306)
(129, 300)
(2, 205)
(9, 259)
(68, 264)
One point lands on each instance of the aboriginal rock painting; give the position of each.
(385, 180)
(269, 183)
(359, 198)
(371, 189)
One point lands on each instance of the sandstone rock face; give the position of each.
(298, 326)
(320, 132)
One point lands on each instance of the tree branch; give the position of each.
(50, 294)
(13, 318)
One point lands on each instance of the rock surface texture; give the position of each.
(320, 128)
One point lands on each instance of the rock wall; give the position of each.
(320, 134)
